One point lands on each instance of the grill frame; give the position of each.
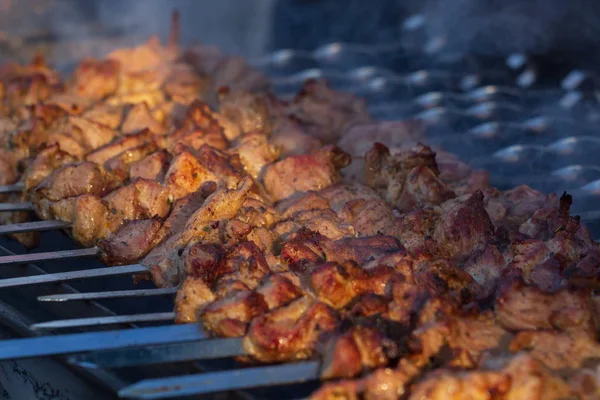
(19, 322)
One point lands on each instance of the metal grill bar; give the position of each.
(46, 256)
(17, 187)
(94, 341)
(196, 384)
(33, 227)
(72, 275)
(115, 294)
(5, 207)
(100, 321)
(169, 353)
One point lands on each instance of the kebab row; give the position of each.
(326, 276)
(48, 122)
(406, 272)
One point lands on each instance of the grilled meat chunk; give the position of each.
(131, 242)
(202, 225)
(255, 153)
(120, 163)
(557, 350)
(522, 378)
(94, 218)
(302, 173)
(301, 323)
(96, 79)
(72, 180)
(521, 307)
(198, 128)
(248, 111)
(408, 179)
(326, 113)
(154, 166)
(47, 160)
(105, 153)
(350, 353)
(140, 117)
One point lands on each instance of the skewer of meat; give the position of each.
(192, 288)
(94, 81)
(197, 129)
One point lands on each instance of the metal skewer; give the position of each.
(94, 341)
(114, 294)
(5, 207)
(168, 353)
(213, 382)
(46, 256)
(72, 275)
(112, 320)
(17, 187)
(33, 227)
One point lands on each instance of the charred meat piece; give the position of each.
(92, 134)
(522, 378)
(244, 263)
(131, 242)
(324, 221)
(230, 316)
(255, 153)
(96, 79)
(154, 166)
(199, 127)
(105, 114)
(326, 113)
(557, 350)
(308, 249)
(467, 385)
(139, 117)
(355, 205)
(74, 180)
(513, 207)
(521, 307)
(202, 225)
(120, 163)
(337, 285)
(302, 173)
(290, 332)
(362, 348)
(464, 227)
(407, 179)
(291, 139)
(105, 153)
(278, 290)
(94, 218)
(47, 160)
(248, 111)
(186, 175)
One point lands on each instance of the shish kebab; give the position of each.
(562, 212)
(426, 273)
(47, 123)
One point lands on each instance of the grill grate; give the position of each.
(501, 118)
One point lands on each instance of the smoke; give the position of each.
(236, 26)
(245, 27)
(67, 30)
(505, 26)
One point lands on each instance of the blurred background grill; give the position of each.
(500, 85)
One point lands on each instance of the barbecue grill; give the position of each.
(502, 115)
